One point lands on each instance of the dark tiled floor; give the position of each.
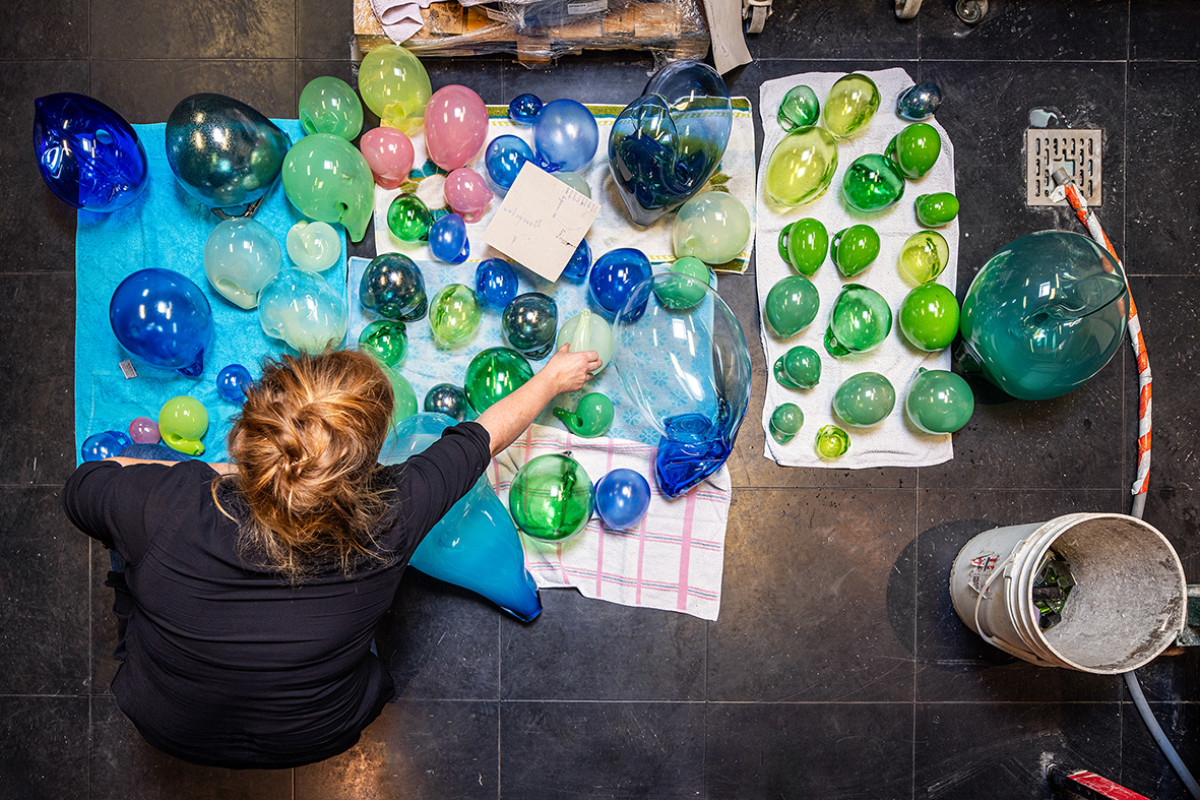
(837, 668)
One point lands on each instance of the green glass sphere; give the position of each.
(935, 210)
(854, 249)
(939, 401)
(688, 290)
(404, 398)
(915, 150)
(786, 421)
(551, 498)
(409, 219)
(386, 340)
(864, 399)
(494, 374)
(798, 368)
(922, 257)
(872, 184)
(592, 417)
(851, 103)
(801, 166)
(860, 321)
(929, 317)
(791, 305)
(712, 226)
(799, 108)
(807, 245)
(832, 442)
(454, 315)
(782, 244)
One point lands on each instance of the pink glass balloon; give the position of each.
(389, 154)
(467, 193)
(144, 430)
(456, 122)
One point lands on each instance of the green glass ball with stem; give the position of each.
(786, 421)
(798, 368)
(854, 249)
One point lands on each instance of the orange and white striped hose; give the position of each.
(1142, 480)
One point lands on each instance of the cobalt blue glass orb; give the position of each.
(504, 158)
(495, 283)
(162, 318)
(448, 239)
(88, 154)
(581, 261)
(232, 383)
(622, 499)
(106, 444)
(524, 108)
(615, 274)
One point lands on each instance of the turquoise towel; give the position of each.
(164, 228)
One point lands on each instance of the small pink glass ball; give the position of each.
(144, 430)
(389, 154)
(467, 193)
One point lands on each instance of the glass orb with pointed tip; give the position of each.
(183, 421)
(304, 310)
(163, 319)
(386, 340)
(864, 399)
(551, 498)
(872, 183)
(854, 249)
(329, 105)
(923, 257)
(587, 331)
(688, 290)
(786, 421)
(791, 306)
(861, 319)
(395, 85)
(798, 368)
(850, 105)
(801, 166)
(939, 401)
(448, 239)
(240, 256)
(328, 179)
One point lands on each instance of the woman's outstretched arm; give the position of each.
(507, 419)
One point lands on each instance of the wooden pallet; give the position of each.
(675, 26)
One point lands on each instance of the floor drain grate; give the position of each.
(1076, 150)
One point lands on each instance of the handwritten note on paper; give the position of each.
(541, 222)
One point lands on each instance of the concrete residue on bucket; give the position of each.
(1127, 605)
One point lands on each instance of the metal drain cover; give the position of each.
(1078, 151)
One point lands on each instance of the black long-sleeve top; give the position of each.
(226, 663)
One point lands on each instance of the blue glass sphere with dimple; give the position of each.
(504, 158)
(448, 239)
(88, 154)
(162, 318)
(581, 261)
(106, 444)
(565, 136)
(495, 283)
(622, 498)
(232, 383)
(524, 108)
(614, 275)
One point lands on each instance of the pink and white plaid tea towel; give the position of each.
(672, 560)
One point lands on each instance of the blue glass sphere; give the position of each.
(495, 283)
(614, 275)
(162, 318)
(232, 383)
(581, 261)
(504, 158)
(448, 239)
(524, 108)
(622, 499)
(106, 444)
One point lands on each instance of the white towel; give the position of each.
(893, 442)
(400, 18)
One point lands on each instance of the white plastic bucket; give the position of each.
(1129, 602)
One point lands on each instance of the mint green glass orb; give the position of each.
(791, 306)
(799, 108)
(405, 399)
(409, 219)
(386, 340)
(801, 166)
(935, 210)
(860, 321)
(872, 183)
(832, 442)
(854, 249)
(929, 317)
(551, 498)
(798, 368)
(688, 290)
(923, 257)
(915, 150)
(864, 399)
(454, 315)
(939, 401)
(851, 103)
(786, 421)
(712, 226)
(807, 245)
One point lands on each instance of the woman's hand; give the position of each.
(567, 371)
